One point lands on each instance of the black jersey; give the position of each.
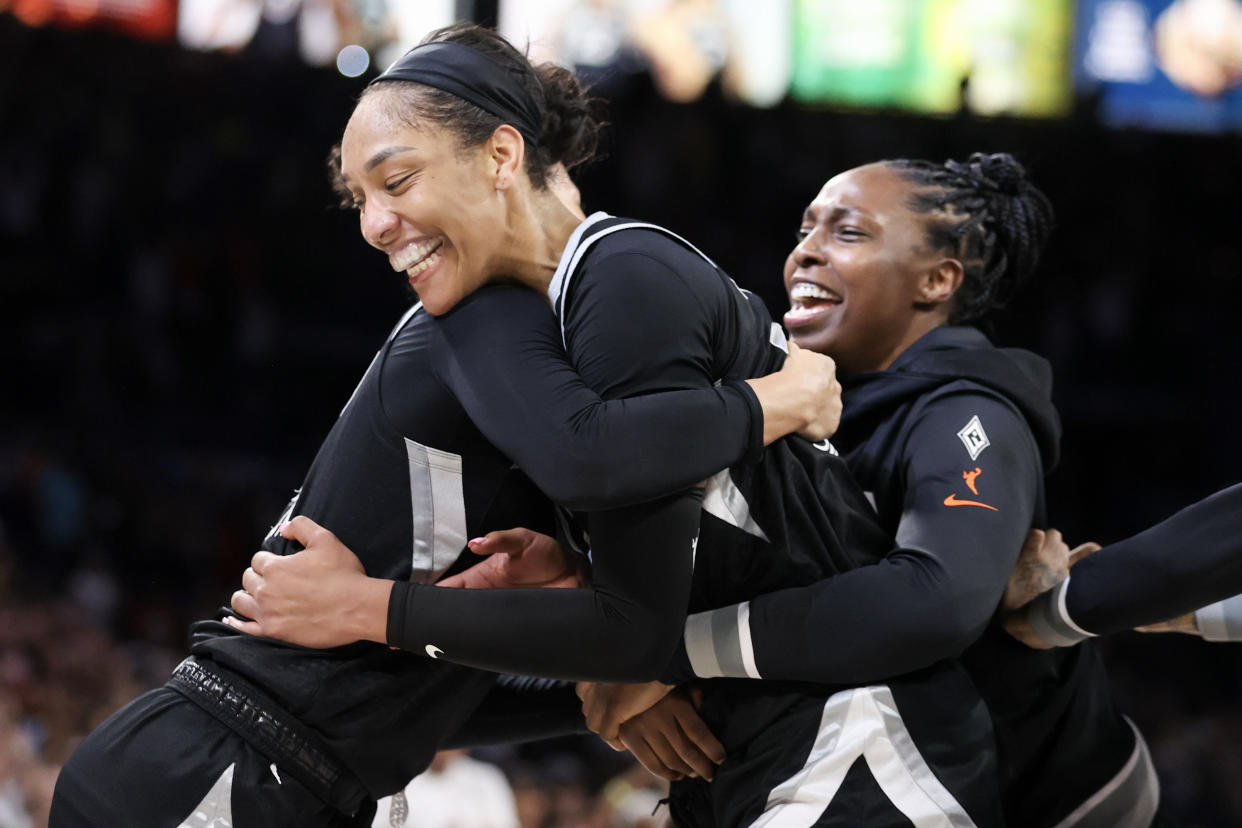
(406, 476)
(793, 517)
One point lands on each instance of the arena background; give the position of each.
(183, 312)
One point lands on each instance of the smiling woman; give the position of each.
(431, 162)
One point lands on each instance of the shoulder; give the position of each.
(967, 419)
(645, 254)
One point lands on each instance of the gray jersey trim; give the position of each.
(723, 499)
(718, 643)
(1221, 621)
(216, 809)
(863, 722)
(578, 245)
(439, 510)
(1129, 800)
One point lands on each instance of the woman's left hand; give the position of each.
(320, 597)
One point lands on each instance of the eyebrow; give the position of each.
(383, 155)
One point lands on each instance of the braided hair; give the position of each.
(990, 216)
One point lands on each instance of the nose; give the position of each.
(808, 253)
(379, 225)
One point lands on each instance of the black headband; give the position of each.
(472, 76)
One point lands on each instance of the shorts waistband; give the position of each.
(255, 717)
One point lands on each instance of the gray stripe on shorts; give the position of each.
(1130, 798)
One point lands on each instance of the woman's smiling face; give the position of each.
(853, 278)
(429, 204)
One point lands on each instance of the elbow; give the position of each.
(646, 656)
(953, 626)
(574, 480)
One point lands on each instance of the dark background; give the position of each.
(183, 311)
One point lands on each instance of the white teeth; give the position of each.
(431, 259)
(414, 255)
(807, 290)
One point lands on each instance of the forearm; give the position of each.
(521, 710)
(623, 628)
(902, 614)
(1188, 561)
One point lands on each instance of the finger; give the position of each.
(667, 754)
(647, 758)
(248, 627)
(510, 542)
(301, 529)
(697, 731)
(1083, 550)
(251, 581)
(584, 689)
(690, 754)
(1034, 542)
(262, 560)
(243, 604)
(478, 546)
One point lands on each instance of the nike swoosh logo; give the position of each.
(952, 500)
(435, 652)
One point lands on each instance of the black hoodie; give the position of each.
(1060, 735)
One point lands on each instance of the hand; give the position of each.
(1182, 624)
(320, 597)
(606, 706)
(671, 741)
(803, 397)
(519, 558)
(1043, 563)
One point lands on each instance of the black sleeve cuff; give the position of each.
(754, 440)
(398, 606)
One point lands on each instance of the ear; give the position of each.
(940, 282)
(506, 152)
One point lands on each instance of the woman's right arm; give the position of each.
(505, 362)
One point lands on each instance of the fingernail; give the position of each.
(473, 541)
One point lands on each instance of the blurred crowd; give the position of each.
(183, 312)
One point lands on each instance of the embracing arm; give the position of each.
(521, 709)
(964, 521)
(578, 447)
(1183, 563)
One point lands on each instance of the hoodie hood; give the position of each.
(952, 354)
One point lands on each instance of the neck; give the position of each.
(920, 326)
(536, 234)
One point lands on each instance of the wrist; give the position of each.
(367, 611)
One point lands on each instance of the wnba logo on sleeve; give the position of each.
(974, 438)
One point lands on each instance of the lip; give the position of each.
(802, 317)
(422, 276)
(411, 252)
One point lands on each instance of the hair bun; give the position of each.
(999, 172)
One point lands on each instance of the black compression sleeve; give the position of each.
(927, 600)
(624, 628)
(507, 365)
(521, 709)
(1192, 559)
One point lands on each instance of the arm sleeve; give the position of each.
(637, 327)
(521, 709)
(927, 600)
(1185, 562)
(505, 344)
(624, 628)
